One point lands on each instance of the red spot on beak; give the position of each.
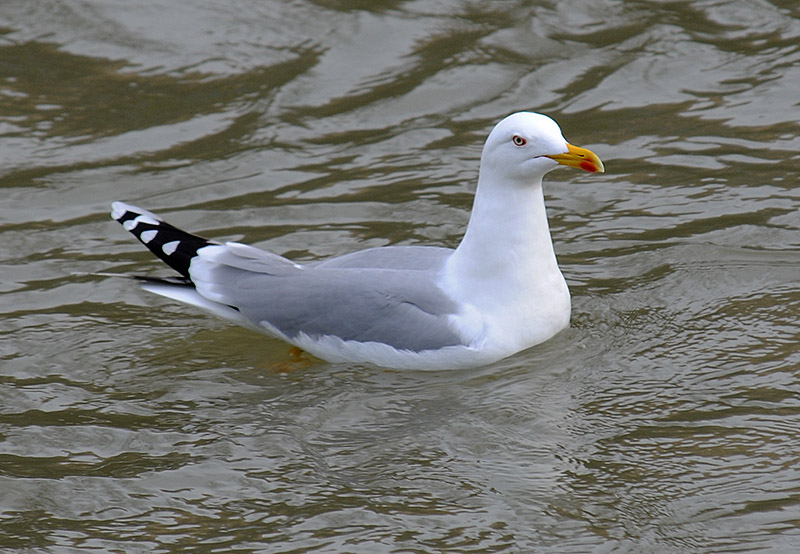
(588, 166)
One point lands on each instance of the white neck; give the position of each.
(506, 268)
(508, 237)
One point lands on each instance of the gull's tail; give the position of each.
(177, 249)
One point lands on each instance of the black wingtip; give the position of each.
(173, 246)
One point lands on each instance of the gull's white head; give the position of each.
(525, 145)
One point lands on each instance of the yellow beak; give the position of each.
(581, 158)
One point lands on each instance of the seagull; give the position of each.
(406, 307)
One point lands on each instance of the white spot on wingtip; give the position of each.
(169, 247)
(147, 219)
(131, 224)
(118, 209)
(147, 236)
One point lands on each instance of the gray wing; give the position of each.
(403, 308)
(391, 257)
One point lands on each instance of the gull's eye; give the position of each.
(518, 140)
